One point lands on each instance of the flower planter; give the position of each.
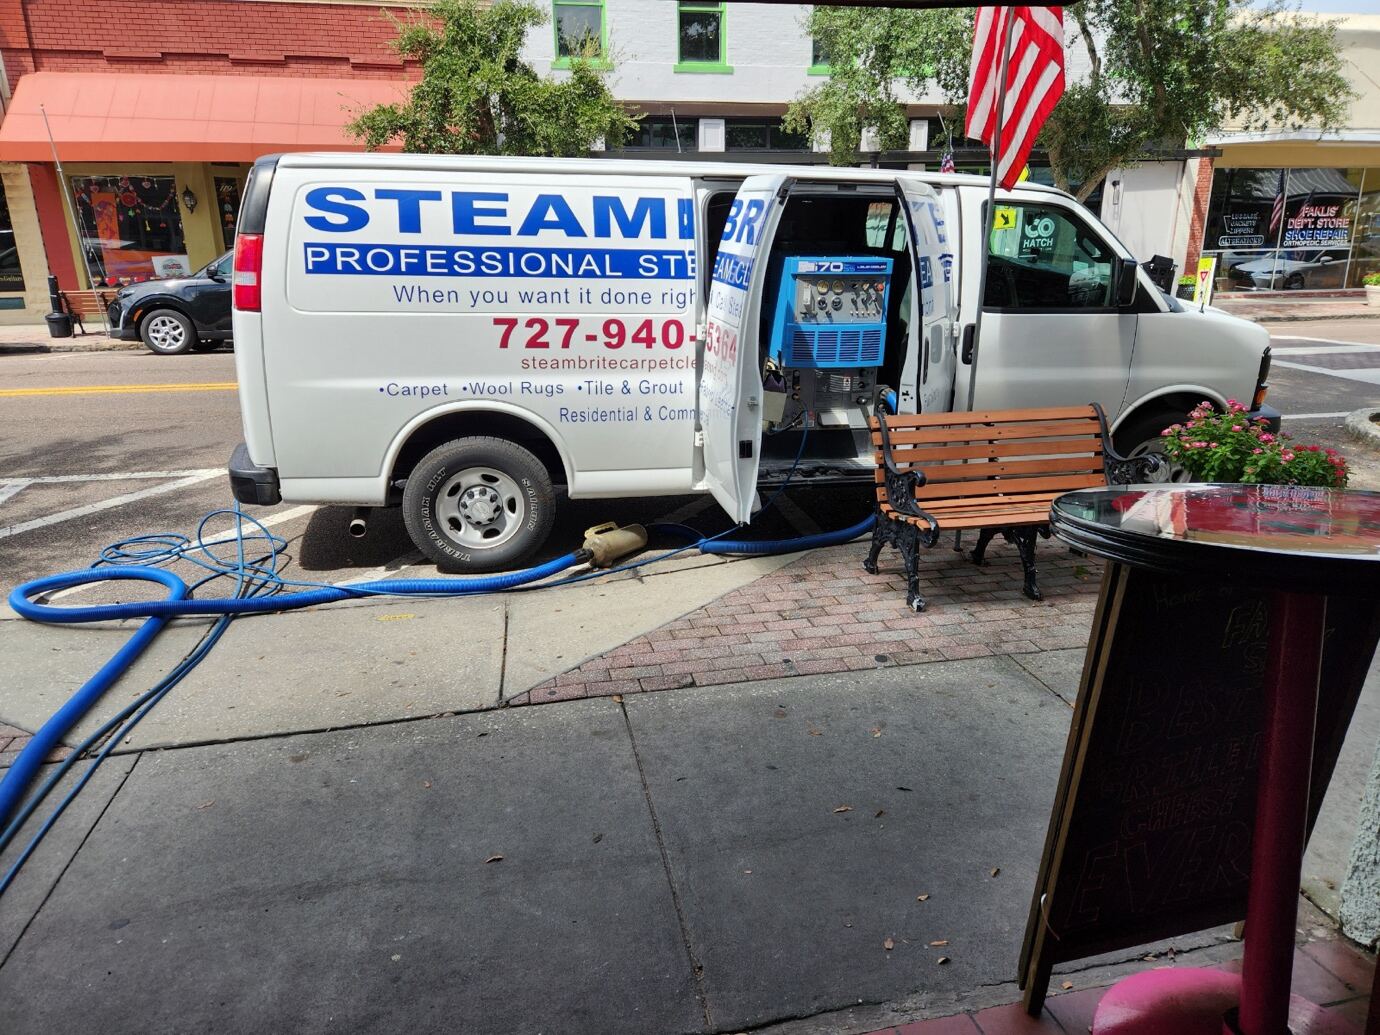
(1373, 294)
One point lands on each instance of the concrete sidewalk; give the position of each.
(706, 860)
(27, 337)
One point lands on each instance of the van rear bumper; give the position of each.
(251, 483)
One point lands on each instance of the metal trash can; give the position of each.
(1161, 270)
(59, 325)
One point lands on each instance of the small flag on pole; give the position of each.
(946, 164)
(1034, 81)
(1277, 213)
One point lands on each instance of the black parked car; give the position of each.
(178, 314)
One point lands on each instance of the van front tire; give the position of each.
(1142, 436)
(479, 504)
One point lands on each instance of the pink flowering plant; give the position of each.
(1227, 446)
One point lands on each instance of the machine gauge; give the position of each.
(838, 287)
(822, 287)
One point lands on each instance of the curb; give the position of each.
(36, 348)
(1306, 317)
(1359, 425)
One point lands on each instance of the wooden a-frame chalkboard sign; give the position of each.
(1150, 834)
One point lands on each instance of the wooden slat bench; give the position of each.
(995, 472)
(81, 304)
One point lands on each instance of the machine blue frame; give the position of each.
(830, 312)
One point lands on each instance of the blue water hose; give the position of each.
(771, 546)
(21, 773)
(179, 605)
(24, 768)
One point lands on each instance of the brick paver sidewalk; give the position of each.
(14, 740)
(1329, 971)
(1272, 308)
(824, 614)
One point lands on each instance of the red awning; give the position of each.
(124, 117)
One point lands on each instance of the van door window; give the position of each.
(1044, 257)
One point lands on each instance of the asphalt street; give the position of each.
(97, 447)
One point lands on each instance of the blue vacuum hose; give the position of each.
(21, 773)
(178, 605)
(772, 546)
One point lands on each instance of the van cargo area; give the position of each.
(833, 328)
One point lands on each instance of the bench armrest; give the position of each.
(1123, 470)
(901, 485)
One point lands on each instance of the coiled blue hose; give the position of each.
(179, 605)
(21, 773)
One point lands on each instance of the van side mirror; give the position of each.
(1125, 287)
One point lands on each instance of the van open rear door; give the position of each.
(730, 396)
(930, 367)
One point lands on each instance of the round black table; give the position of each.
(1299, 544)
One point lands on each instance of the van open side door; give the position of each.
(730, 392)
(930, 366)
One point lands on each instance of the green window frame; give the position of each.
(819, 60)
(697, 9)
(563, 60)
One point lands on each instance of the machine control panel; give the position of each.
(840, 299)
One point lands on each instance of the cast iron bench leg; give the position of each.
(985, 536)
(908, 542)
(1024, 540)
(879, 539)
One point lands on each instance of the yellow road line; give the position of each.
(219, 386)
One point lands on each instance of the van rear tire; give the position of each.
(479, 504)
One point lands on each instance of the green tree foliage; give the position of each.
(478, 97)
(1162, 73)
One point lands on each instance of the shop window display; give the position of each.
(228, 206)
(11, 276)
(1293, 229)
(131, 228)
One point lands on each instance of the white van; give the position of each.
(460, 335)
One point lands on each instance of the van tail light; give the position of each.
(249, 263)
(1262, 381)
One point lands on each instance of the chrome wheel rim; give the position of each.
(1169, 471)
(167, 333)
(481, 508)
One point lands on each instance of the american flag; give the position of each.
(1034, 81)
(946, 164)
(1277, 213)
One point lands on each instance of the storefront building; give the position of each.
(156, 133)
(154, 171)
(1312, 227)
(1299, 210)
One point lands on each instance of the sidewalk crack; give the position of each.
(71, 859)
(696, 967)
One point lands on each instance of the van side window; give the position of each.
(1043, 257)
